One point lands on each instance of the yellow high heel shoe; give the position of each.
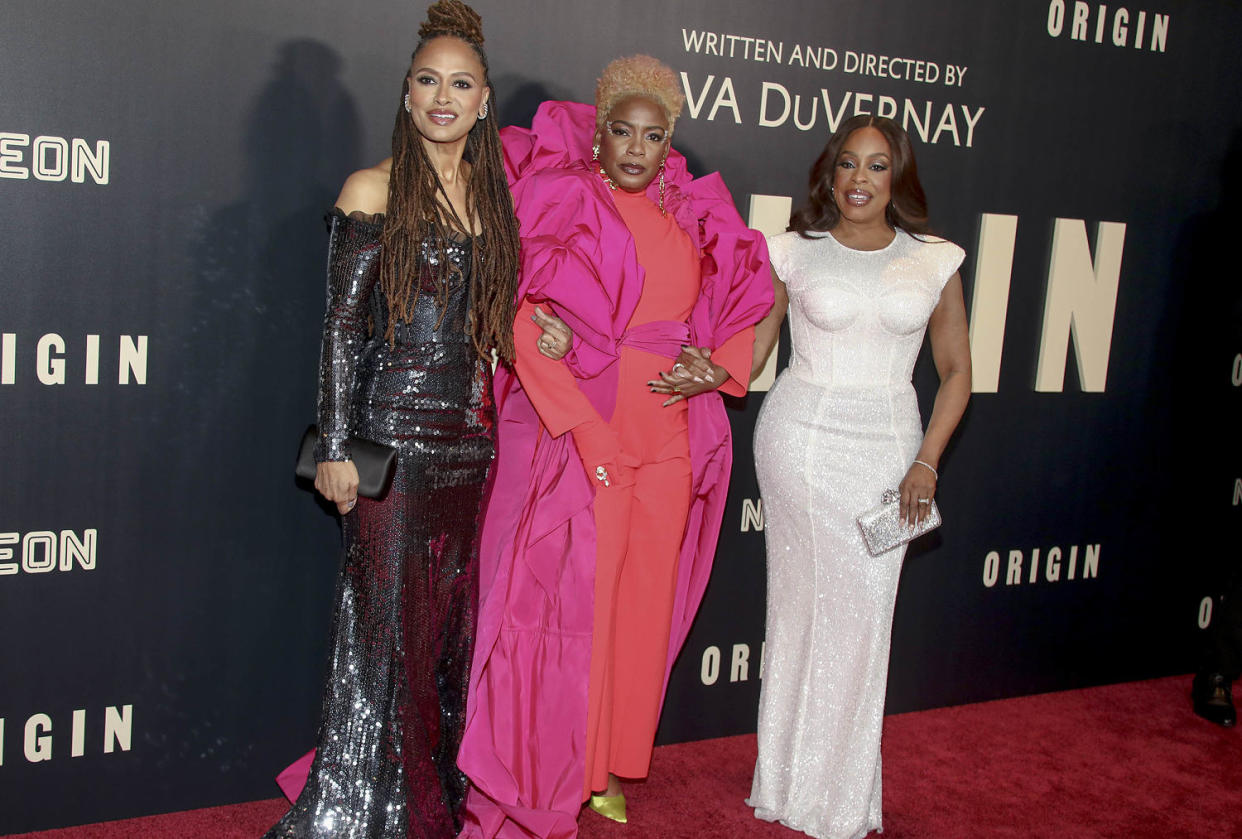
(610, 806)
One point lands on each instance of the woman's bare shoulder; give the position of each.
(366, 191)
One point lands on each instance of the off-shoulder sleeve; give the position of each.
(353, 268)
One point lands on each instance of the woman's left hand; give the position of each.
(692, 373)
(557, 337)
(917, 488)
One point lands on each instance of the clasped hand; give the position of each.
(692, 373)
(337, 481)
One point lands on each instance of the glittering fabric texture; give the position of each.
(883, 527)
(403, 628)
(840, 426)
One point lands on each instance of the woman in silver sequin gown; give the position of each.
(862, 282)
(422, 269)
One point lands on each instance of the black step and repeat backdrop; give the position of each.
(164, 584)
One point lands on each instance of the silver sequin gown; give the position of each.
(839, 426)
(403, 626)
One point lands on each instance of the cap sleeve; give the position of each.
(942, 258)
(778, 250)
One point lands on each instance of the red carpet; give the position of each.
(1125, 760)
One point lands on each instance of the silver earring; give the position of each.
(483, 113)
(407, 103)
(595, 153)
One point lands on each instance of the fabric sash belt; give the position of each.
(659, 337)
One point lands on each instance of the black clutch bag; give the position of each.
(375, 462)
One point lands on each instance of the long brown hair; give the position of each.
(907, 205)
(414, 208)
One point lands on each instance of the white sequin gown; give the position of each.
(840, 425)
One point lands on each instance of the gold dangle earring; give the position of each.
(662, 186)
(603, 174)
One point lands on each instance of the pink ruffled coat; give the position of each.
(526, 716)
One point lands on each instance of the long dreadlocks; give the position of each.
(414, 207)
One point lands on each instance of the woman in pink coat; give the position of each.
(613, 463)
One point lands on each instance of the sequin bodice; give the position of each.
(857, 317)
(438, 315)
(412, 391)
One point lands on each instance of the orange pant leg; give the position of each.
(645, 609)
(612, 528)
(639, 534)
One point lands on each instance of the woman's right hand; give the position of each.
(557, 338)
(917, 489)
(337, 481)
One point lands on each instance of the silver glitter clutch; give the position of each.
(882, 530)
(375, 462)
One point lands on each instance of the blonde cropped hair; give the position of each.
(638, 75)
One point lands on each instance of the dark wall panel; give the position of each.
(164, 584)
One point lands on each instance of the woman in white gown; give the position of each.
(863, 282)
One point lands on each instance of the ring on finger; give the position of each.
(924, 500)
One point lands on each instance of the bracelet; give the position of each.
(935, 474)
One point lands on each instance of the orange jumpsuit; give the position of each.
(640, 518)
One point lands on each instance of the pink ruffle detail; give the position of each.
(293, 777)
(526, 715)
